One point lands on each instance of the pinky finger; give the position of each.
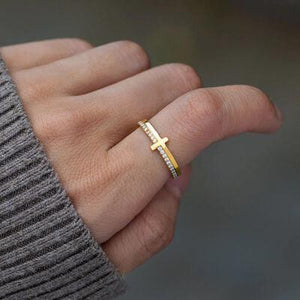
(29, 55)
(151, 231)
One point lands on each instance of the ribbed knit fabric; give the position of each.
(46, 251)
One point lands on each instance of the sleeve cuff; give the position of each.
(46, 251)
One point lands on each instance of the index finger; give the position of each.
(191, 123)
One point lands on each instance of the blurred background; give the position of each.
(238, 231)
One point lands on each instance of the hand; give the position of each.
(84, 104)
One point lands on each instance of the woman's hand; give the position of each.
(84, 104)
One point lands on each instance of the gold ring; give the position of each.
(160, 145)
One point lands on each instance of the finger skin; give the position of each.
(34, 54)
(192, 122)
(140, 96)
(87, 71)
(152, 230)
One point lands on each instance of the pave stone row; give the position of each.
(160, 149)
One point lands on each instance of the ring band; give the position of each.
(160, 145)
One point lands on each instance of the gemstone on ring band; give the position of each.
(159, 144)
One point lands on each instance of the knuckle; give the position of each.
(61, 123)
(29, 91)
(135, 50)
(157, 233)
(43, 127)
(205, 102)
(186, 74)
(77, 44)
(72, 121)
(202, 109)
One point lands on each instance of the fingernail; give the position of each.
(278, 112)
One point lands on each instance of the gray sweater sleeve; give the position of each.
(46, 251)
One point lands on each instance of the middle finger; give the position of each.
(140, 96)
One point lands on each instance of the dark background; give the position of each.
(238, 232)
